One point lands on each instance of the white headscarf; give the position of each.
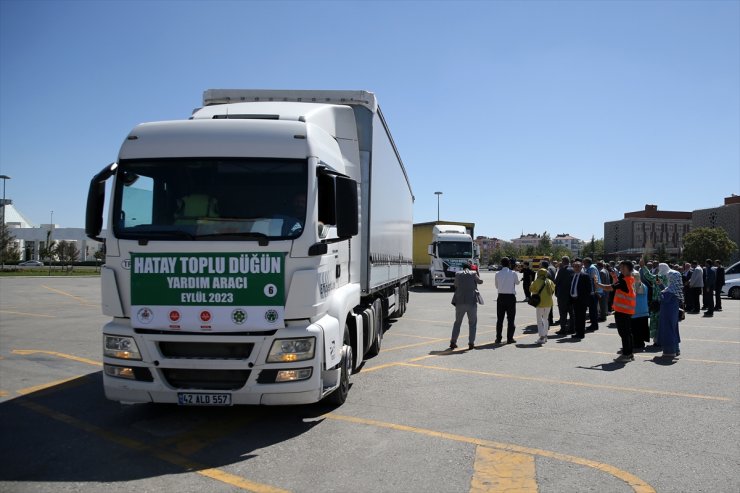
(663, 269)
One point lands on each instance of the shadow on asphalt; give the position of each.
(71, 433)
(663, 360)
(611, 366)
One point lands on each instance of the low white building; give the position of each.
(31, 239)
(575, 245)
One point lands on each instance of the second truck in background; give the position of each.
(440, 249)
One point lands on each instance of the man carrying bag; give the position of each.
(466, 299)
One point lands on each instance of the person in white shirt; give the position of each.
(506, 281)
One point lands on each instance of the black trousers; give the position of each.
(640, 331)
(505, 306)
(593, 311)
(625, 332)
(709, 300)
(527, 292)
(695, 298)
(717, 299)
(565, 308)
(579, 312)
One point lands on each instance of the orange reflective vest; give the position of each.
(625, 302)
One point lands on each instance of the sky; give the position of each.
(529, 116)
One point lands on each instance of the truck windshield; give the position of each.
(455, 249)
(210, 198)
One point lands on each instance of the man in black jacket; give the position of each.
(562, 286)
(581, 292)
(720, 281)
(527, 278)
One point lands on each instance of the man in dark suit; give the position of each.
(581, 293)
(465, 300)
(720, 281)
(562, 286)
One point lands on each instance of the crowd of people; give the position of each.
(647, 300)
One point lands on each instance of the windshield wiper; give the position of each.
(175, 233)
(245, 235)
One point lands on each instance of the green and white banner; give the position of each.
(207, 292)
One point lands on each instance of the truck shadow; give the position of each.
(72, 433)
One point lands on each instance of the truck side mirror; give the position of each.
(95, 202)
(346, 204)
(430, 249)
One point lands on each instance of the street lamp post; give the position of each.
(48, 239)
(4, 178)
(437, 194)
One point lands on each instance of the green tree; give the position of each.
(48, 252)
(544, 247)
(704, 243)
(68, 252)
(9, 252)
(660, 253)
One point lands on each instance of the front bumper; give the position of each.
(173, 363)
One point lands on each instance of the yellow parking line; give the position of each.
(599, 333)
(166, 456)
(443, 339)
(396, 363)
(401, 334)
(70, 295)
(567, 382)
(498, 470)
(637, 484)
(642, 355)
(25, 352)
(36, 388)
(25, 314)
(3, 393)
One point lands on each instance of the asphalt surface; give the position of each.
(560, 418)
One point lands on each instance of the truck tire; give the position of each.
(377, 328)
(338, 397)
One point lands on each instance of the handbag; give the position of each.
(534, 299)
(479, 298)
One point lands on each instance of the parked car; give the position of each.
(732, 272)
(31, 263)
(732, 289)
(494, 267)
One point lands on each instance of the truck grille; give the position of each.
(206, 379)
(205, 350)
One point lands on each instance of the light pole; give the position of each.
(4, 178)
(437, 194)
(48, 239)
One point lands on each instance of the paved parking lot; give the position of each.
(558, 418)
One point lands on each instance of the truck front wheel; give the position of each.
(340, 394)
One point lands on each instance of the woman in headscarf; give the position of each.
(655, 281)
(671, 297)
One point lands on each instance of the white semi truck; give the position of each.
(253, 251)
(440, 249)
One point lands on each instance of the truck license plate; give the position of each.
(187, 399)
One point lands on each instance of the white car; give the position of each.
(732, 289)
(31, 263)
(732, 272)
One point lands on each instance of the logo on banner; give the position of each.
(174, 316)
(145, 315)
(205, 316)
(239, 316)
(271, 316)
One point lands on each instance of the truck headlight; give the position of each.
(288, 350)
(120, 347)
